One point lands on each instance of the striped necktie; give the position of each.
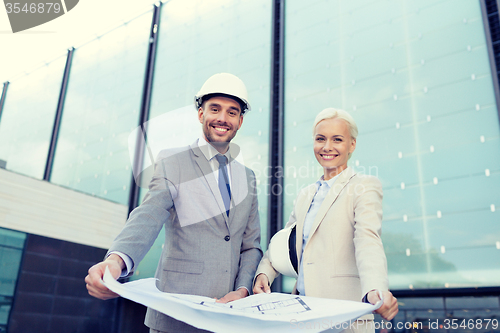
(224, 189)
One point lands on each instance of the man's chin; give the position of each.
(220, 139)
(221, 144)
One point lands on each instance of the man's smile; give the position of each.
(220, 129)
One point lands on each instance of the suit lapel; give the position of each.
(209, 176)
(330, 198)
(239, 186)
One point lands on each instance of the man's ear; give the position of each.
(200, 114)
(241, 121)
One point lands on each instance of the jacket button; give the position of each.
(227, 238)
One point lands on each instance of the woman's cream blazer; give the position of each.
(344, 257)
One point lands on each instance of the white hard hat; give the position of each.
(282, 252)
(224, 84)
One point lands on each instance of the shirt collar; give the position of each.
(209, 151)
(329, 182)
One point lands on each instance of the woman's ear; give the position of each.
(353, 146)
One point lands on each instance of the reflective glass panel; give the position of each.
(28, 117)
(416, 77)
(11, 251)
(101, 109)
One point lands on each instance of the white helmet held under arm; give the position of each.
(282, 252)
(223, 84)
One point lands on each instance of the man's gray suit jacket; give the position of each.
(205, 252)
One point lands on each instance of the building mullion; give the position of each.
(491, 21)
(276, 130)
(2, 98)
(58, 117)
(147, 90)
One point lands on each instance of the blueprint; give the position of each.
(275, 312)
(265, 306)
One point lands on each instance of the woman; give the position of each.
(338, 224)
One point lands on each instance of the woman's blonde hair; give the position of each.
(332, 113)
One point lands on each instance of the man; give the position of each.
(208, 204)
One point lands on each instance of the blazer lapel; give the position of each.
(239, 186)
(330, 198)
(209, 176)
(301, 211)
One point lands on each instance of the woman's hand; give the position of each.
(261, 284)
(389, 309)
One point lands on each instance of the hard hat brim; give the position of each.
(199, 100)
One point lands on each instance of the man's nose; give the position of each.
(222, 116)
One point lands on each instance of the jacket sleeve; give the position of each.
(369, 251)
(145, 222)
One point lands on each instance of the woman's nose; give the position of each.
(328, 145)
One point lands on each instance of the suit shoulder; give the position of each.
(366, 180)
(309, 189)
(173, 153)
(170, 162)
(249, 171)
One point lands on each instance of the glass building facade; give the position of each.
(26, 122)
(419, 78)
(102, 106)
(11, 250)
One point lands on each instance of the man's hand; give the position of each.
(389, 309)
(233, 296)
(96, 272)
(261, 284)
